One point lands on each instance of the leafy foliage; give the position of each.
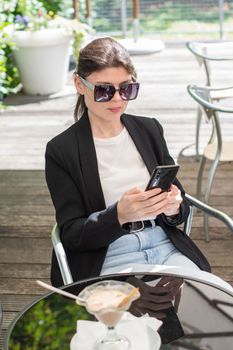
(55, 6)
(48, 325)
(9, 76)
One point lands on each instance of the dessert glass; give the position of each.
(107, 301)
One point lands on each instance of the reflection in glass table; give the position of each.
(195, 314)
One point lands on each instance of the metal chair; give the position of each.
(216, 150)
(205, 53)
(61, 255)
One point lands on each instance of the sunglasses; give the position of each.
(105, 92)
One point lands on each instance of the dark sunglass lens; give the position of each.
(103, 93)
(129, 91)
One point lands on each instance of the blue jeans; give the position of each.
(150, 246)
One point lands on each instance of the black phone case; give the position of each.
(171, 328)
(163, 177)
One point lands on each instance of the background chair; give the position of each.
(216, 149)
(61, 255)
(205, 53)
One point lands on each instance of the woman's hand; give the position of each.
(136, 204)
(156, 299)
(174, 201)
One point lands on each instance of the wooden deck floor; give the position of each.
(26, 211)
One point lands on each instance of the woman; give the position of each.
(97, 171)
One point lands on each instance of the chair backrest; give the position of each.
(61, 256)
(207, 52)
(202, 95)
(199, 52)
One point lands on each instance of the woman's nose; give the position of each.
(117, 96)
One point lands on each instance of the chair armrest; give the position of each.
(61, 256)
(204, 95)
(220, 51)
(210, 211)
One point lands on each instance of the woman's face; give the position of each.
(110, 110)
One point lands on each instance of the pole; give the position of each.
(221, 18)
(123, 18)
(135, 19)
(88, 13)
(75, 7)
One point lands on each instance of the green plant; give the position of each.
(55, 6)
(9, 76)
(32, 16)
(38, 328)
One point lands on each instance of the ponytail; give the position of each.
(79, 108)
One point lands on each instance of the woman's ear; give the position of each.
(78, 84)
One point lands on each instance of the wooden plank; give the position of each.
(217, 189)
(32, 200)
(216, 233)
(16, 303)
(198, 222)
(36, 219)
(26, 209)
(8, 318)
(21, 286)
(24, 191)
(16, 270)
(219, 253)
(22, 176)
(24, 250)
(25, 231)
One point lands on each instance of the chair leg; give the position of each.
(212, 172)
(206, 227)
(198, 125)
(200, 177)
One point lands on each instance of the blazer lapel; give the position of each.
(89, 165)
(142, 142)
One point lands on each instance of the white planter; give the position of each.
(42, 58)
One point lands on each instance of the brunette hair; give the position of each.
(99, 54)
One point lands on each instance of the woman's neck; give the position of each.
(106, 129)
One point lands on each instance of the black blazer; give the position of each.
(87, 226)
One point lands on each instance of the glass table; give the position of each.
(196, 313)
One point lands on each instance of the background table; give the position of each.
(204, 319)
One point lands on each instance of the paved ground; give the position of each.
(29, 122)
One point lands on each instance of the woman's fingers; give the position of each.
(137, 204)
(174, 201)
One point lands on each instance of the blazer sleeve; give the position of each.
(184, 207)
(81, 229)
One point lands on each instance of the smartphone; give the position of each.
(163, 177)
(171, 328)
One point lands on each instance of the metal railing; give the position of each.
(204, 19)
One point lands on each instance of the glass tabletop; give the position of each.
(195, 314)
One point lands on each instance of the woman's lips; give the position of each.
(114, 109)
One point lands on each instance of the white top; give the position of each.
(120, 165)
